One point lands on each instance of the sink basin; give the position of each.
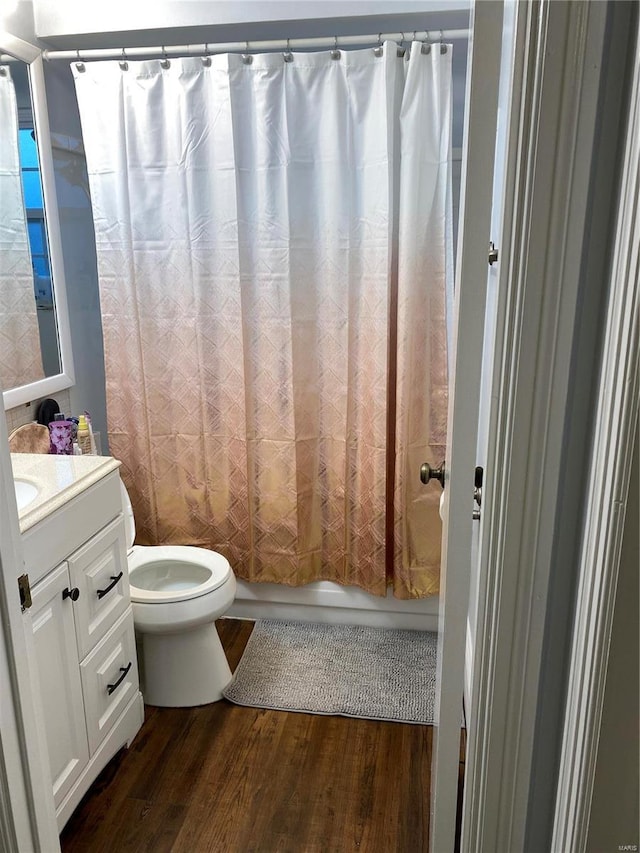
(25, 492)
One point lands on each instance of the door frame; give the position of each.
(530, 480)
(617, 413)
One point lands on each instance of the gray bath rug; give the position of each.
(376, 673)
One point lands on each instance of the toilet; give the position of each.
(177, 593)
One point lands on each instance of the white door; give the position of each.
(495, 271)
(56, 652)
(27, 813)
(483, 77)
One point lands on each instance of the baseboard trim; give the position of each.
(332, 604)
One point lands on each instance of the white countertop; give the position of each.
(58, 479)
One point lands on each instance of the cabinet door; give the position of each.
(99, 569)
(58, 671)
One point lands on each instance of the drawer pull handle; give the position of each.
(114, 581)
(73, 594)
(124, 670)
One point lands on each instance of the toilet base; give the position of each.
(183, 670)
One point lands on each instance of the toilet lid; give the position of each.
(175, 572)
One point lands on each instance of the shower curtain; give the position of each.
(20, 359)
(261, 227)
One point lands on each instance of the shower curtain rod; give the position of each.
(331, 42)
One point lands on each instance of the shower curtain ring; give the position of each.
(443, 47)
(335, 53)
(164, 62)
(379, 50)
(400, 50)
(246, 56)
(79, 65)
(287, 55)
(124, 65)
(206, 59)
(426, 47)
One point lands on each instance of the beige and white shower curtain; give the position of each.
(259, 227)
(20, 359)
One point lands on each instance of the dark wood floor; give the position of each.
(228, 778)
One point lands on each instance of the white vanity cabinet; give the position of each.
(83, 637)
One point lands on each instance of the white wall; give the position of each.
(78, 247)
(77, 17)
(20, 21)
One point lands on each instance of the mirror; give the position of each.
(35, 348)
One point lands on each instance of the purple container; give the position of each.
(61, 437)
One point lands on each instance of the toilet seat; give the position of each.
(160, 574)
(172, 573)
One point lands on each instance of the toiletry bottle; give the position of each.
(83, 437)
(87, 417)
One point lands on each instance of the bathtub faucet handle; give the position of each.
(428, 472)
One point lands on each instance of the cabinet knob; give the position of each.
(73, 594)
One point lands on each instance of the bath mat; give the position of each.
(353, 671)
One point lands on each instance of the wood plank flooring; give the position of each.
(243, 780)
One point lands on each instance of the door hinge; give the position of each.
(25, 592)
(493, 254)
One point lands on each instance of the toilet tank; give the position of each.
(129, 521)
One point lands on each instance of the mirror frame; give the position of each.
(32, 56)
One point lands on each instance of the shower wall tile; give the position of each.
(26, 413)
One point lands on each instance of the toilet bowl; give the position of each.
(177, 593)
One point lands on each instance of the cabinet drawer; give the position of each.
(109, 679)
(99, 570)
